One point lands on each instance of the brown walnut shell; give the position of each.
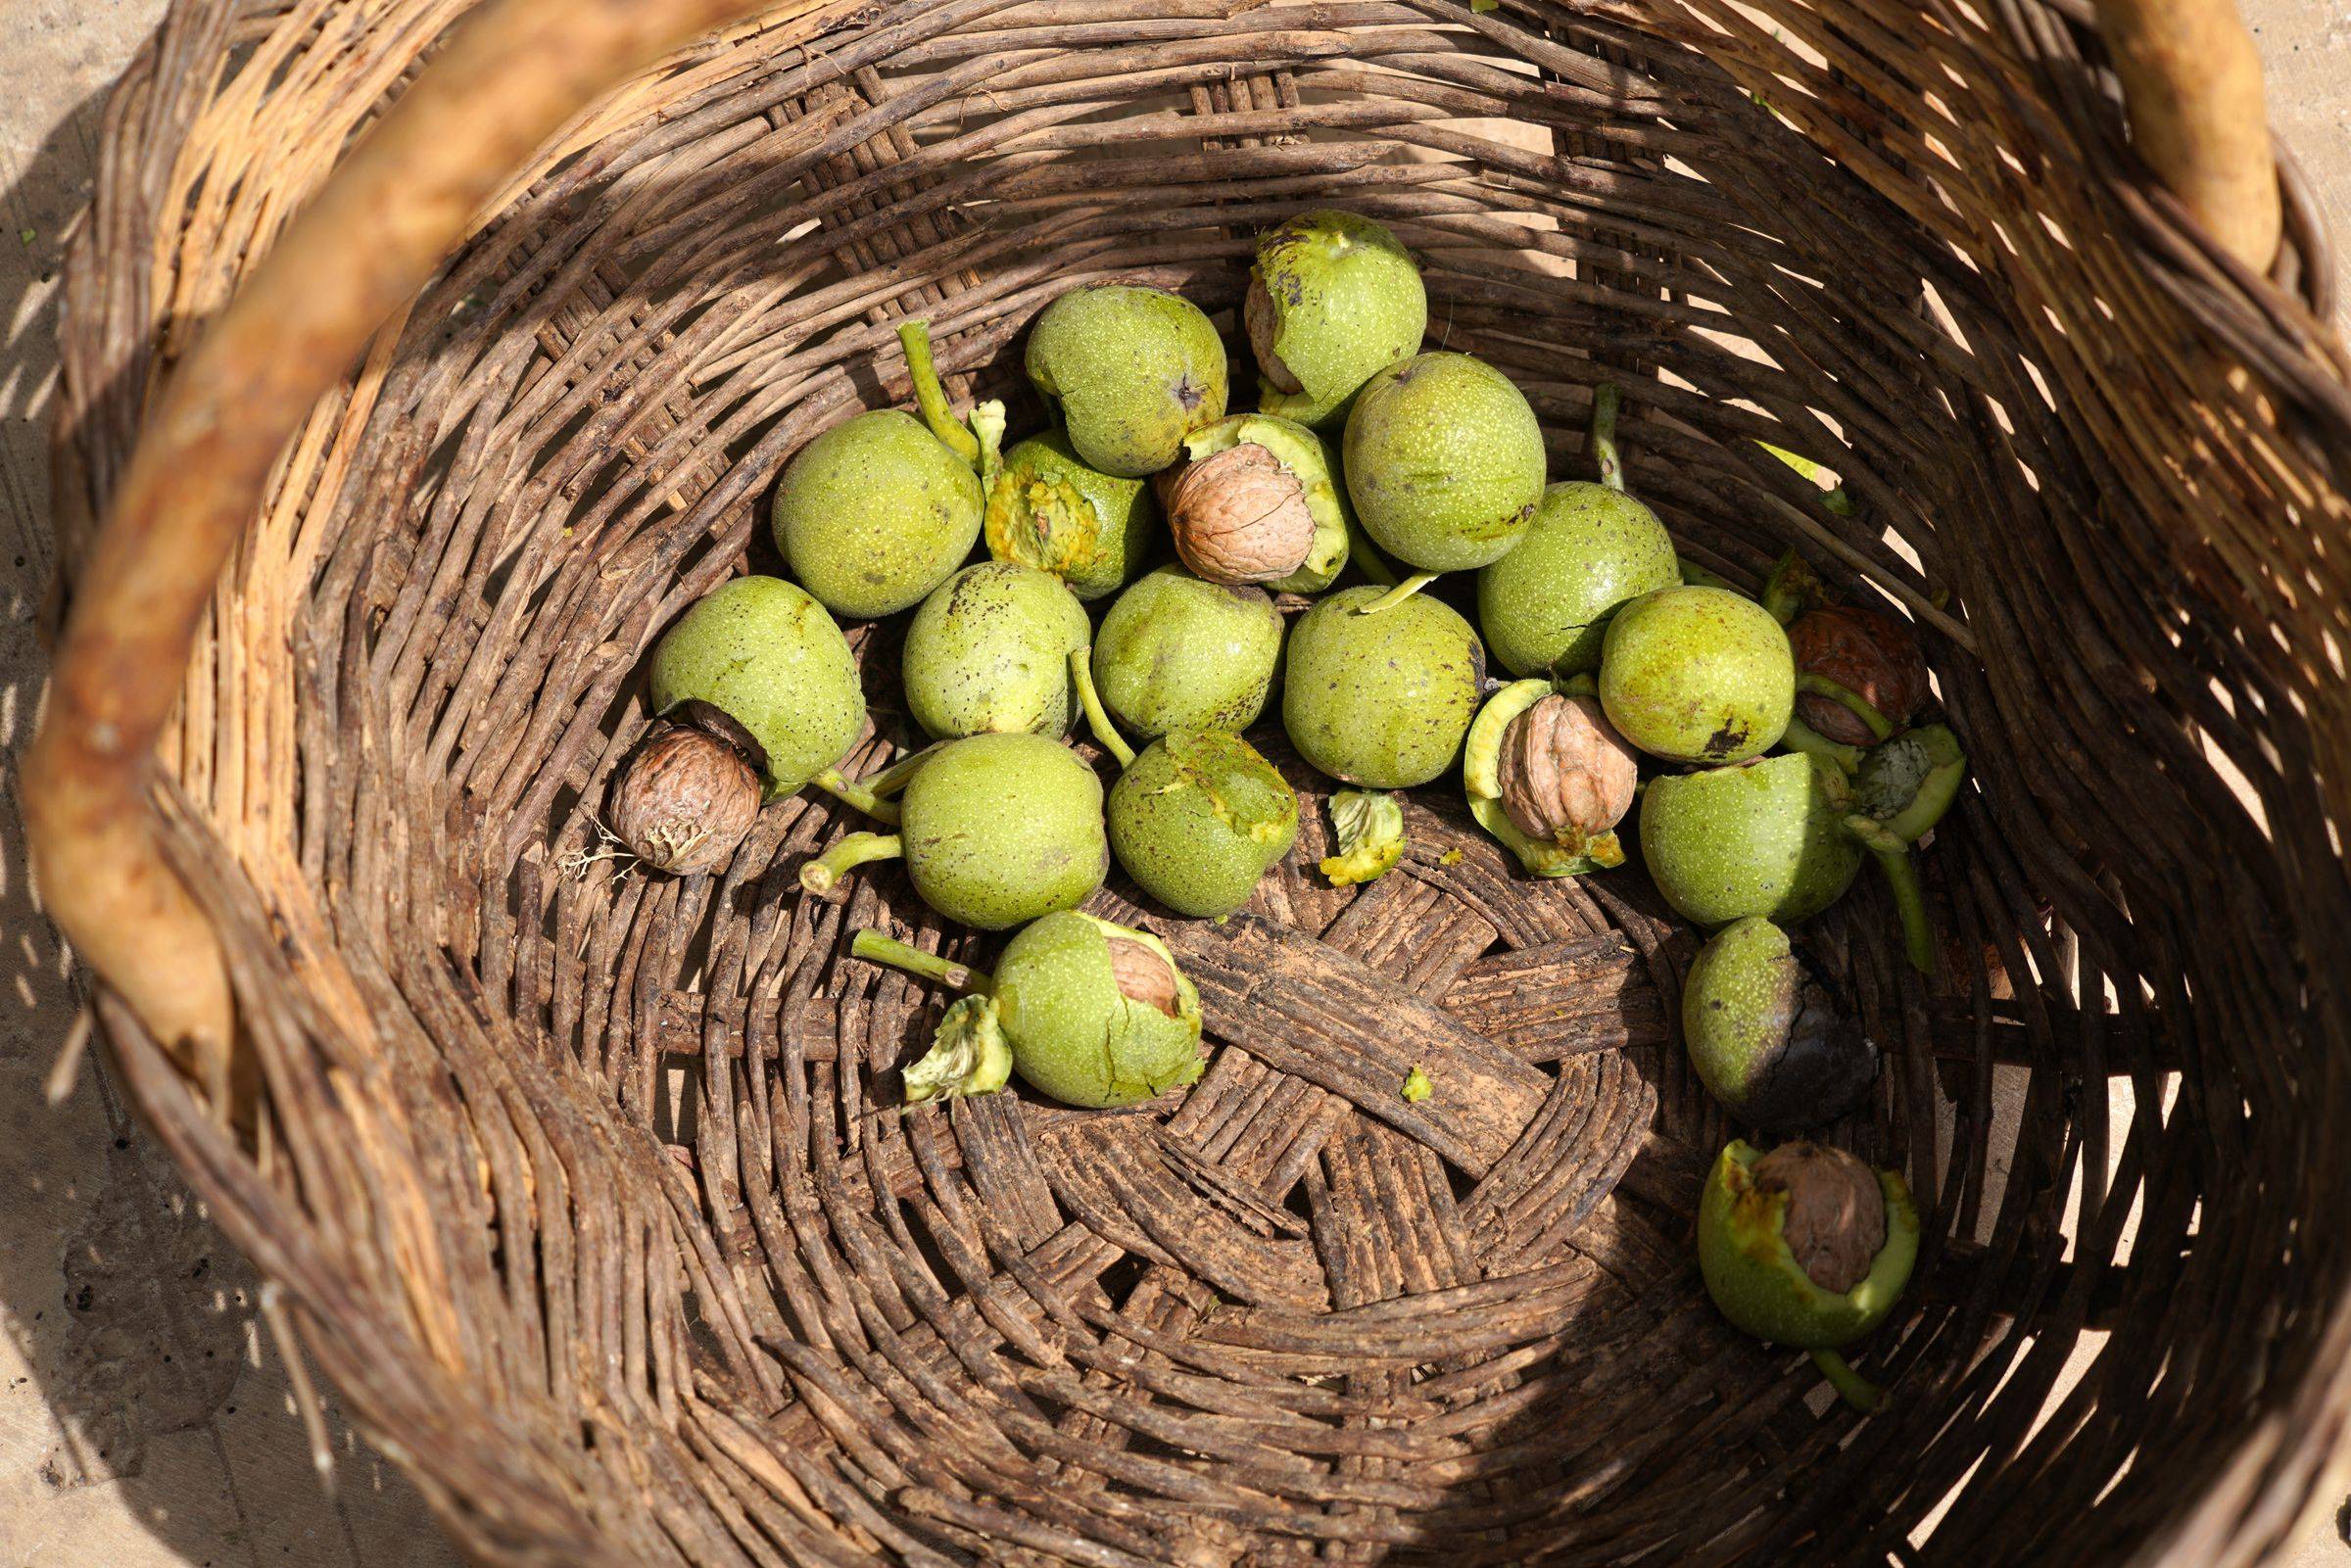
(1875, 656)
(685, 801)
(1836, 1219)
(1238, 516)
(1143, 975)
(1567, 774)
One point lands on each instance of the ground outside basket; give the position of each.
(591, 1193)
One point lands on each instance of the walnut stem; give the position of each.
(823, 874)
(876, 948)
(1399, 594)
(871, 795)
(1097, 718)
(1605, 400)
(1858, 1391)
(915, 338)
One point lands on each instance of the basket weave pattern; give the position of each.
(608, 1310)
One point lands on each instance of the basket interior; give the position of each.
(595, 1188)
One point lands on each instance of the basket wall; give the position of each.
(588, 1190)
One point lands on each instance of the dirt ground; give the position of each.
(145, 1419)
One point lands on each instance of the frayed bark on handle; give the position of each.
(510, 78)
(2192, 80)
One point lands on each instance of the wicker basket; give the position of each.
(591, 1192)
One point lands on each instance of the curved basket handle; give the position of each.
(509, 77)
(2192, 80)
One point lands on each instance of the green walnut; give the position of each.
(1444, 461)
(1257, 500)
(876, 510)
(1698, 675)
(764, 652)
(1381, 699)
(1129, 372)
(1092, 1013)
(1047, 509)
(1333, 300)
(1545, 606)
(988, 652)
(1179, 653)
(1767, 1033)
(1809, 1246)
(1549, 777)
(997, 831)
(1765, 837)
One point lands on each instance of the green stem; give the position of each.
(823, 874)
(861, 794)
(1398, 594)
(1911, 902)
(1367, 556)
(1802, 737)
(1583, 684)
(1605, 399)
(1853, 702)
(915, 338)
(876, 948)
(1097, 719)
(1792, 587)
(1858, 1391)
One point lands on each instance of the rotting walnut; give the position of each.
(1836, 1219)
(1567, 775)
(1238, 516)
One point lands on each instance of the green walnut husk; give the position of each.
(1333, 299)
(989, 653)
(1546, 606)
(1751, 1204)
(1307, 461)
(1129, 371)
(1369, 826)
(1765, 837)
(1768, 1034)
(1047, 509)
(1698, 675)
(1175, 652)
(969, 1054)
(996, 830)
(1381, 699)
(764, 652)
(1481, 783)
(1444, 461)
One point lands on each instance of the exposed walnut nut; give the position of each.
(1566, 773)
(685, 801)
(1143, 975)
(1836, 1220)
(1874, 656)
(1238, 516)
(1257, 311)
